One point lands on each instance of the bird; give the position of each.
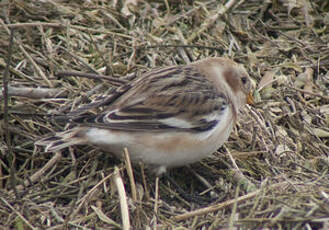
(167, 117)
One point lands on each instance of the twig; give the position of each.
(35, 93)
(12, 156)
(187, 14)
(36, 67)
(16, 72)
(234, 208)
(18, 214)
(63, 26)
(147, 194)
(104, 218)
(84, 198)
(115, 81)
(51, 163)
(156, 198)
(216, 207)
(310, 93)
(211, 20)
(156, 203)
(130, 174)
(181, 46)
(238, 176)
(89, 193)
(91, 68)
(232, 159)
(123, 199)
(204, 182)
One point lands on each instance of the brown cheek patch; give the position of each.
(232, 80)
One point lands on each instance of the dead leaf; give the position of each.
(126, 6)
(267, 79)
(305, 80)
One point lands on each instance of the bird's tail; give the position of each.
(62, 140)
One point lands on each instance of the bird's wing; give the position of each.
(175, 98)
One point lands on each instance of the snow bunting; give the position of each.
(166, 117)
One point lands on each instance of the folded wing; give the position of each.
(175, 98)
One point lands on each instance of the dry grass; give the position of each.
(280, 176)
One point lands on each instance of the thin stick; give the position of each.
(113, 80)
(147, 194)
(61, 25)
(310, 93)
(156, 203)
(88, 194)
(232, 159)
(18, 214)
(238, 176)
(35, 93)
(221, 50)
(123, 199)
(130, 175)
(211, 20)
(216, 207)
(156, 198)
(12, 156)
(51, 163)
(235, 204)
(35, 65)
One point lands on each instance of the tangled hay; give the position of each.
(273, 171)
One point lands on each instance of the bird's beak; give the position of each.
(250, 99)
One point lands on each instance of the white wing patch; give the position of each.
(176, 122)
(98, 136)
(225, 122)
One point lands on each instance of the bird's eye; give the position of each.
(244, 80)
